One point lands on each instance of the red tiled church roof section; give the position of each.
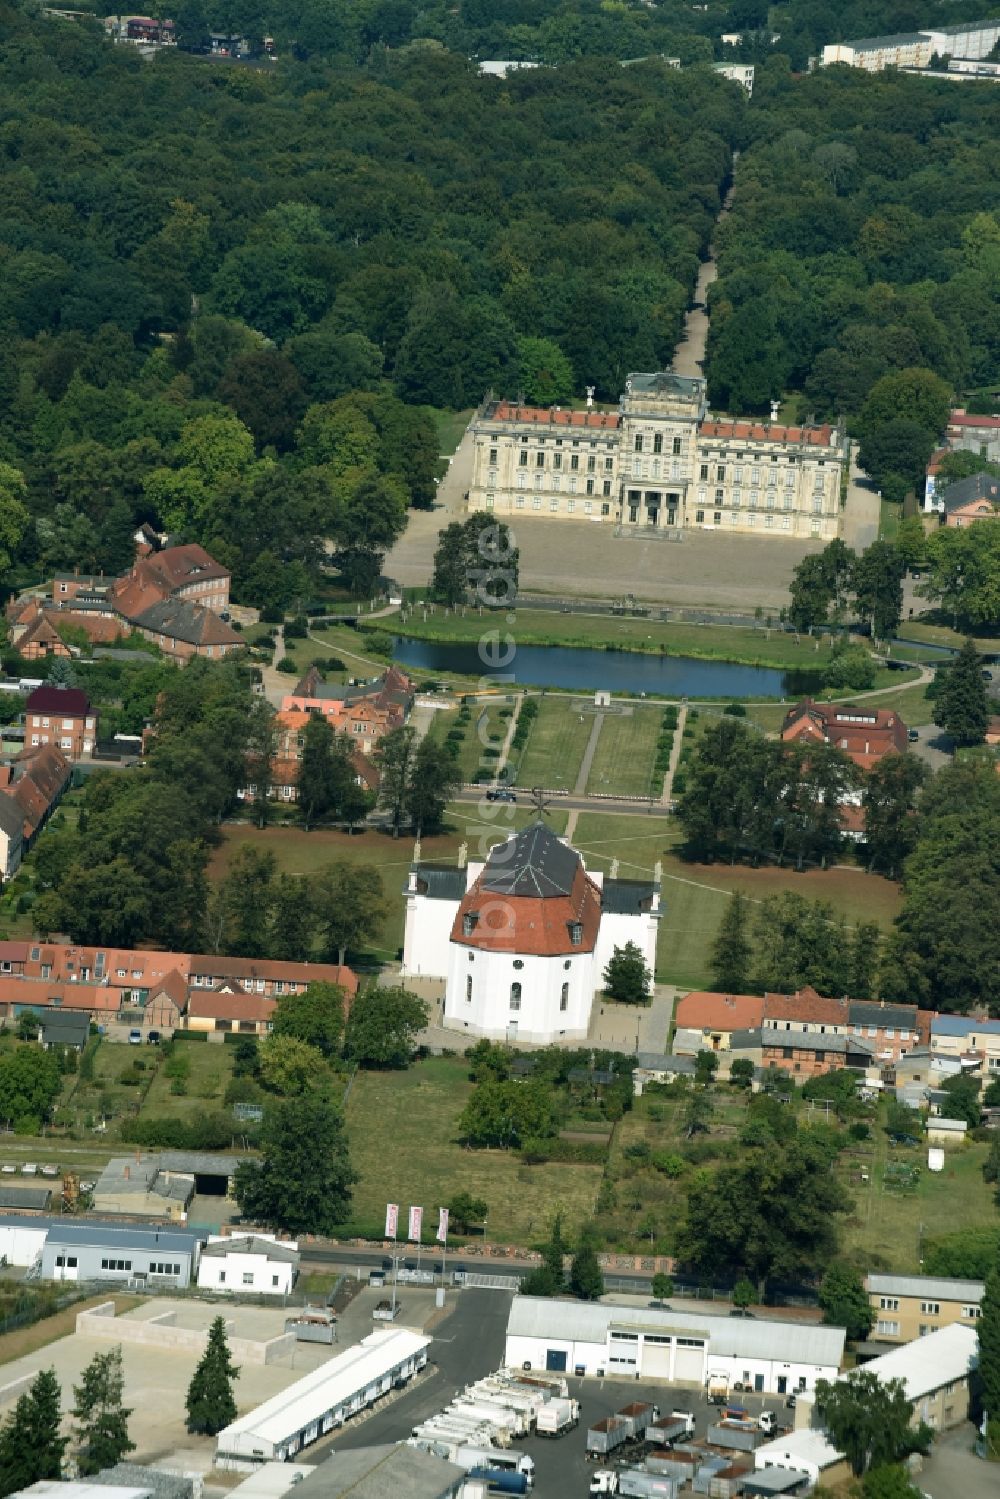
(505, 411)
(807, 1007)
(211, 965)
(67, 702)
(706, 1010)
(820, 437)
(220, 1004)
(530, 924)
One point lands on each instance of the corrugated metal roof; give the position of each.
(926, 1364)
(925, 1286)
(537, 1317)
(323, 1389)
(808, 1445)
(399, 1472)
(115, 1235)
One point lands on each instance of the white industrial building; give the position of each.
(690, 1348)
(523, 940)
(322, 1400)
(805, 1451)
(248, 1263)
(21, 1239)
(935, 1371)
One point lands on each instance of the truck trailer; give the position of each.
(500, 1481)
(606, 1436)
(633, 1483)
(493, 1458)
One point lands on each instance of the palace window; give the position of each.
(638, 442)
(523, 458)
(657, 442)
(676, 446)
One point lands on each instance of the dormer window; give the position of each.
(469, 923)
(576, 932)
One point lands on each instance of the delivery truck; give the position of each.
(633, 1483)
(557, 1417)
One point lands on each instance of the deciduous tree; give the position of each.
(869, 1419)
(844, 1300)
(302, 1182)
(383, 1026)
(627, 978)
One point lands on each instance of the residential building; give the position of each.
(704, 1021)
(737, 72)
(651, 1067)
(119, 1254)
(289, 727)
(659, 463)
(523, 939)
(11, 831)
(365, 711)
(60, 716)
(160, 990)
(911, 1306)
(31, 787)
(178, 599)
(969, 500)
(70, 1028)
(915, 49)
(973, 433)
(935, 1371)
(250, 1264)
(974, 1044)
(810, 1053)
(866, 735)
(668, 1346)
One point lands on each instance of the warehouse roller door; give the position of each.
(657, 1354)
(689, 1363)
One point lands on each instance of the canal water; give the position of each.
(580, 669)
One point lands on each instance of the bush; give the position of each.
(297, 628)
(206, 1132)
(287, 665)
(334, 663)
(735, 710)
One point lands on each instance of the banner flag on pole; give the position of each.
(442, 1233)
(391, 1219)
(416, 1224)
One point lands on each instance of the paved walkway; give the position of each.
(862, 513)
(675, 755)
(580, 789)
(509, 736)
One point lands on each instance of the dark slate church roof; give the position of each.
(626, 897)
(534, 863)
(440, 881)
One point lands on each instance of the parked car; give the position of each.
(153, 1038)
(135, 1038)
(500, 794)
(913, 735)
(8, 1170)
(29, 1169)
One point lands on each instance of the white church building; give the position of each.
(523, 940)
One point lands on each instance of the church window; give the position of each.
(515, 996)
(468, 989)
(564, 998)
(518, 962)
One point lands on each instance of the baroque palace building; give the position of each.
(660, 463)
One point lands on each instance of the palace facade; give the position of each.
(660, 463)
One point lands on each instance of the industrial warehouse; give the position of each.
(775, 1358)
(323, 1399)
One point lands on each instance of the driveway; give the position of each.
(933, 746)
(863, 510)
(954, 1472)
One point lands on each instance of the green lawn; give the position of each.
(306, 854)
(211, 1070)
(934, 634)
(418, 1112)
(487, 730)
(694, 895)
(887, 1227)
(556, 745)
(334, 640)
(623, 762)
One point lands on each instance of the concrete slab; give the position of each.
(157, 1379)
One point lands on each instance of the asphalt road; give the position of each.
(573, 803)
(468, 1344)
